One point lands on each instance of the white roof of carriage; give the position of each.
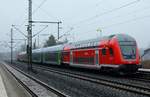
(53, 48)
(37, 50)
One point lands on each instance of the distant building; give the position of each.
(146, 55)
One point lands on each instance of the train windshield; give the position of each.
(128, 49)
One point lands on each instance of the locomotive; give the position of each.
(117, 53)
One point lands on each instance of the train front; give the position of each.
(128, 55)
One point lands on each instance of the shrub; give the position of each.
(146, 64)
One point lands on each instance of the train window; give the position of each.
(83, 60)
(103, 51)
(79, 46)
(88, 44)
(111, 51)
(82, 45)
(95, 43)
(66, 53)
(92, 43)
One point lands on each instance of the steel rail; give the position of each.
(117, 85)
(55, 91)
(21, 83)
(141, 76)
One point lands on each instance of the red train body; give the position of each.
(116, 52)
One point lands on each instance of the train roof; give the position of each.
(95, 42)
(89, 43)
(37, 50)
(46, 49)
(82, 44)
(124, 37)
(53, 48)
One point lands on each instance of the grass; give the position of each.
(146, 64)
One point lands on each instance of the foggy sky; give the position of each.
(78, 15)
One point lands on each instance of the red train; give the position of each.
(112, 53)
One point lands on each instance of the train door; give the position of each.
(97, 57)
(71, 57)
(111, 56)
(104, 56)
(107, 56)
(66, 57)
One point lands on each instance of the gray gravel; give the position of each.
(77, 88)
(39, 90)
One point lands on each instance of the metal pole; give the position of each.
(58, 30)
(58, 23)
(25, 43)
(38, 41)
(11, 45)
(30, 36)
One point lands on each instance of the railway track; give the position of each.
(110, 83)
(114, 84)
(141, 76)
(49, 88)
(142, 79)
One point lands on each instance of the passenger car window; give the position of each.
(103, 51)
(111, 51)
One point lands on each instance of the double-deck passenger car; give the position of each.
(115, 52)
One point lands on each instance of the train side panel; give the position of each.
(52, 57)
(37, 57)
(118, 52)
(86, 56)
(66, 57)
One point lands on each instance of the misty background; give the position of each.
(81, 20)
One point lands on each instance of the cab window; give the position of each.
(111, 51)
(103, 51)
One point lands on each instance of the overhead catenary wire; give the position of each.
(49, 15)
(100, 2)
(71, 27)
(19, 30)
(40, 5)
(34, 11)
(120, 23)
(107, 12)
(40, 31)
(75, 25)
(127, 21)
(118, 16)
